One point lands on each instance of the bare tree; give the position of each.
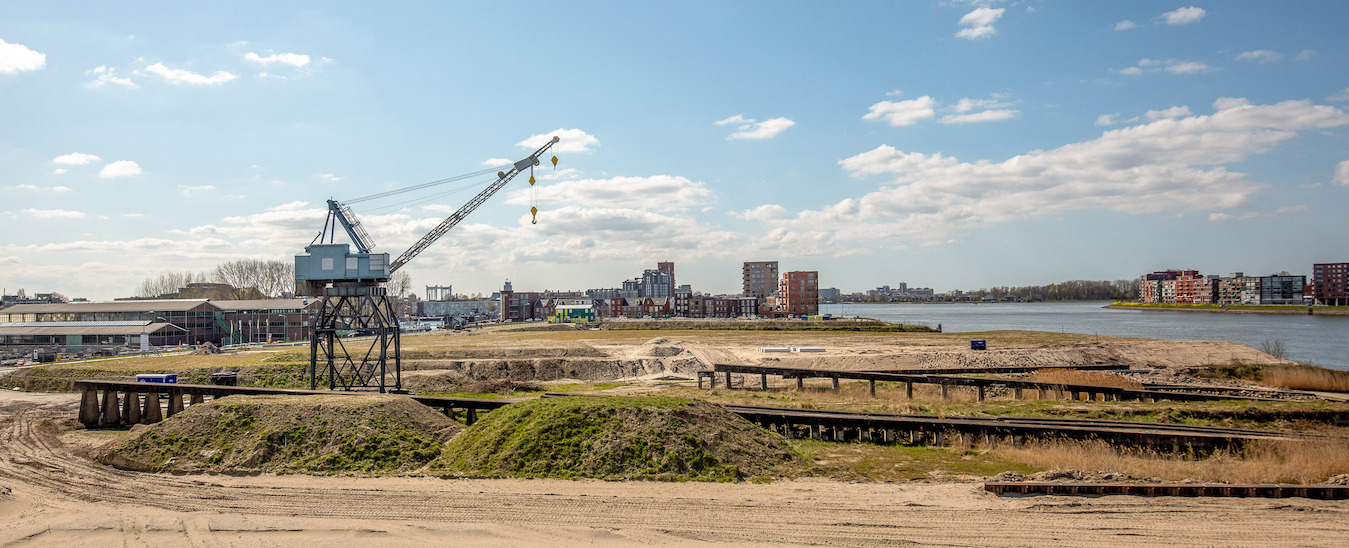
(399, 284)
(168, 283)
(1276, 348)
(271, 278)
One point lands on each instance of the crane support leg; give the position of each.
(368, 357)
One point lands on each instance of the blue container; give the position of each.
(162, 378)
(978, 344)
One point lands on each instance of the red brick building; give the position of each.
(1328, 283)
(799, 293)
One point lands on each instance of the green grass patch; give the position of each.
(648, 437)
(871, 462)
(286, 434)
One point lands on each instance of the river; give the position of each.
(1319, 340)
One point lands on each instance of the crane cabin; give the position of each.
(324, 264)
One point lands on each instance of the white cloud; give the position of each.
(1107, 119)
(293, 59)
(1261, 55)
(104, 75)
(1125, 25)
(60, 171)
(1256, 214)
(569, 140)
(43, 188)
(1184, 16)
(133, 215)
(180, 76)
(1173, 112)
(1166, 165)
(753, 130)
(982, 116)
(15, 58)
(75, 159)
(975, 33)
(190, 190)
(989, 110)
(979, 23)
(737, 119)
(655, 193)
(761, 213)
(1341, 174)
(328, 176)
(1305, 54)
(1339, 96)
(493, 162)
(120, 168)
(903, 113)
(1172, 66)
(54, 213)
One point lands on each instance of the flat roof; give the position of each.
(11, 329)
(267, 304)
(161, 305)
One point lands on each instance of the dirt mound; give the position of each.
(615, 438)
(661, 348)
(207, 349)
(315, 434)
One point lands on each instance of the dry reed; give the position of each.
(1089, 378)
(1261, 461)
(1306, 377)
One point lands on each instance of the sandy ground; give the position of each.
(51, 495)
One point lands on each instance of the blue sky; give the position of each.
(947, 144)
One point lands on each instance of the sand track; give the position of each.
(50, 494)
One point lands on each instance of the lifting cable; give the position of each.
(423, 185)
(421, 200)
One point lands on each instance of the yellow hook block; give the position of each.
(554, 161)
(534, 211)
(531, 179)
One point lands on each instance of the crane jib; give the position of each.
(449, 222)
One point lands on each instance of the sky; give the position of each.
(944, 144)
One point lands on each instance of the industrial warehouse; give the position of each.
(111, 328)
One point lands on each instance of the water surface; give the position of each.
(1320, 340)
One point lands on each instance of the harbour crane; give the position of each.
(350, 285)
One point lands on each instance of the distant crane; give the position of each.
(354, 299)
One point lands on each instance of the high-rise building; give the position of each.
(668, 268)
(799, 293)
(1329, 283)
(656, 283)
(760, 278)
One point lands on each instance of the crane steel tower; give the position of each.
(354, 299)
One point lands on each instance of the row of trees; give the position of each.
(270, 278)
(1073, 290)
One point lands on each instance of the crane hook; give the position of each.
(534, 212)
(554, 161)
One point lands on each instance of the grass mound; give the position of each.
(615, 438)
(312, 434)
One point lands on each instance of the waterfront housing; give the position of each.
(1191, 287)
(1328, 283)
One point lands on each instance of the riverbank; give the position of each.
(1268, 309)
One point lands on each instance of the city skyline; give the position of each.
(949, 144)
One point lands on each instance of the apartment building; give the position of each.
(799, 293)
(1328, 283)
(760, 278)
(1175, 287)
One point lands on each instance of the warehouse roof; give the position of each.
(161, 305)
(266, 304)
(32, 328)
